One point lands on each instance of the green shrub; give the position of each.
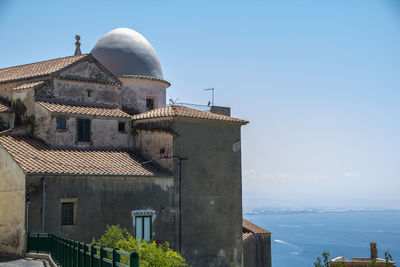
(150, 253)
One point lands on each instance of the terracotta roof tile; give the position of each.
(181, 111)
(35, 156)
(249, 227)
(246, 235)
(28, 85)
(37, 69)
(4, 106)
(84, 110)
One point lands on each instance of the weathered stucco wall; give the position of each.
(104, 132)
(257, 250)
(27, 98)
(42, 123)
(12, 207)
(211, 192)
(6, 89)
(7, 118)
(88, 70)
(156, 145)
(78, 92)
(134, 93)
(102, 200)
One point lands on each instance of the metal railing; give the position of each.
(70, 253)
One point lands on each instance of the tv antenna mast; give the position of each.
(212, 99)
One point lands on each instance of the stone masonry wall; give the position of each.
(12, 207)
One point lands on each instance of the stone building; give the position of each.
(92, 142)
(373, 261)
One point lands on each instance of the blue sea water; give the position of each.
(298, 238)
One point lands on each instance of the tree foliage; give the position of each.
(150, 253)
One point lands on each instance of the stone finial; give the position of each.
(374, 250)
(78, 46)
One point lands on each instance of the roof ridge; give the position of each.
(83, 105)
(48, 60)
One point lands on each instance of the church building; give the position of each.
(90, 140)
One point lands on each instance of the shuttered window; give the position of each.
(61, 124)
(143, 228)
(83, 130)
(67, 213)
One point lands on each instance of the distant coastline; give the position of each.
(271, 211)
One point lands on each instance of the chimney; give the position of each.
(221, 110)
(374, 250)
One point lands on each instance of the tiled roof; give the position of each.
(145, 78)
(36, 157)
(4, 106)
(84, 110)
(28, 85)
(249, 227)
(246, 235)
(181, 111)
(37, 69)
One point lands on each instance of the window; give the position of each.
(89, 93)
(61, 123)
(143, 228)
(121, 126)
(143, 224)
(149, 104)
(83, 130)
(67, 213)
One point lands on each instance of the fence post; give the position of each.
(102, 254)
(78, 253)
(85, 250)
(115, 257)
(91, 254)
(134, 260)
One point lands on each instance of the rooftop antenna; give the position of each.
(173, 102)
(78, 51)
(212, 99)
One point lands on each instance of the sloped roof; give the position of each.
(84, 110)
(37, 69)
(181, 111)
(28, 85)
(35, 156)
(249, 227)
(4, 106)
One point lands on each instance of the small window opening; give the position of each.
(61, 123)
(121, 126)
(67, 213)
(143, 228)
(149, 104)
(83, 130)
(89, 93)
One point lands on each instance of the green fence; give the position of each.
(70, 253)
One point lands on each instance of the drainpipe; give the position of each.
(44, 202)
(180, 201)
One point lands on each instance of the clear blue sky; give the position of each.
(319, 82)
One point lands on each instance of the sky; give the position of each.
(319, 82)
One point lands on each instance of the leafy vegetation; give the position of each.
(150, 253)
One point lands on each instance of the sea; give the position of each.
(299, 236)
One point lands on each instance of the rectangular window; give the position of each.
(149, 104)
(83, 130)
(61, 123)
(67, 213)
(121, 126)
(143, 228)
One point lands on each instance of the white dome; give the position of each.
(126, 52)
